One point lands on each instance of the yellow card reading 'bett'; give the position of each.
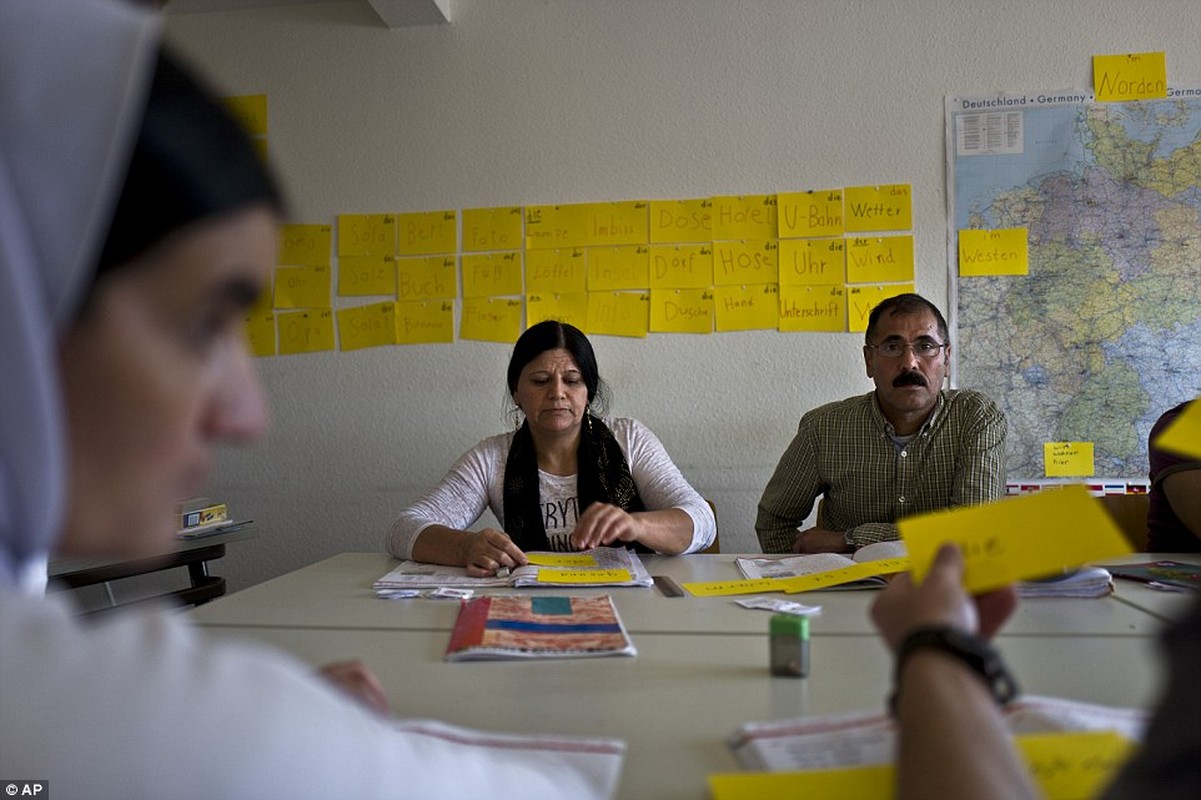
(1183, 435)
(561, 559)
(427, 233)
(1003, 251)
(583, 575)
(1131, 76)
(1016, 538)
(1068, 459)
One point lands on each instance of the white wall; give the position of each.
(563, 101)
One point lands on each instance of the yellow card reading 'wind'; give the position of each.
(1183, 435)
(880, 259)
(584, 576)
(1016, 538)
(561, 559)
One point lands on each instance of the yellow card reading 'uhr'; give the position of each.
(584, 576)
(561, 559)
(1016, 538)
(1183, 435)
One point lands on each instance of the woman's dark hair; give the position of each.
(552, 335)
(191, 161)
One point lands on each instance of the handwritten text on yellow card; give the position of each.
(1002, 251)
(681, 221)
(813, 262)
(492, 229)
(427, 233)
(305, 331)
(583, 575)
(880, 259)
(816, 213)
(425, 322)
(561, 559)
(813, 308)
(1068, 459)
(305, 245)
(1133, 76)
(878, 208)
(367, 326)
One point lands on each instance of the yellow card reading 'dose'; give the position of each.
(561, 559)
(1016, 538)
(584, 576)
(1183, 434)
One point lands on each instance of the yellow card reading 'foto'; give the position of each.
(1183, 435)
(561, 560)
(1004, 251)
(1068, 459)
(1131, 76)
(584, 576)
(1016, 538)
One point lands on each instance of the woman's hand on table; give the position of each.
(490, 550)
(602, 524)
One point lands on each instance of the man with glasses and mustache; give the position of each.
(907, 447)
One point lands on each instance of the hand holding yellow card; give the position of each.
(1183, 435)
(1017, 538)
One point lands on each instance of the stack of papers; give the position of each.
(1085, 582)
(602, 566)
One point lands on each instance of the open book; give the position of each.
(797, 566)
(1170, 575)
(537, 626)
(602, 566)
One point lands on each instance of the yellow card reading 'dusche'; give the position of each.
(1016, 538)
(1183, 435)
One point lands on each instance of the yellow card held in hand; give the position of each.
(1017, 538)
(1183, 434)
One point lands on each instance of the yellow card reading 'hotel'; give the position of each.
(1016, 538)
(561, 559)
(584, 575)
(1068, 459)
(813, 308)
(1132, 76)
(1183, 434)
(1003, 251)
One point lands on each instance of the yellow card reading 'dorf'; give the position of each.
(1183, 434)
(561, 559)
(584, 575)
(1016, 538)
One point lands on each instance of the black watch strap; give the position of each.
(973, 651)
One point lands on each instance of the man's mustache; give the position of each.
(909, 378)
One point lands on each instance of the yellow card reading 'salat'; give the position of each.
(1016, 538)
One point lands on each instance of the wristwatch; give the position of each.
(973, 651)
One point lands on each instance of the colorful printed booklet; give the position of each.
(1172, 575)
(537, 626)
(602, 566)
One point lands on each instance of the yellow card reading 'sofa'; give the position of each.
(584, 576)
(1016, 538)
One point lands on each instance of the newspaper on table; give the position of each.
(601, 566)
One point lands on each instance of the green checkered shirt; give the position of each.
(846, 452)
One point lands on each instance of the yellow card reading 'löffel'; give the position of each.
(1183, 435)
(584, 576)
(1016, 538)
(561, 559)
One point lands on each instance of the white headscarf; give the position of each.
(74, 75)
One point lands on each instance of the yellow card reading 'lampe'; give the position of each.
(619, 313)
(1132, 76)
(1068, 459)
(878, 208)
(813, 308)
(1016, 538)
(583, 575)
(1003, 251)
(561, 559)
(1183, 434)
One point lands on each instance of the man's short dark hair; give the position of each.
(904, 304)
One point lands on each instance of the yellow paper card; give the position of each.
(561, 559)
(746, 586)
(557, 270)
(554, 226)
(1068, 766)
(751, 216)
(305, 331)
(747, 308)
(1002, 251)
(681, 266)
(569, 307)
(427, 278)
(367, 326)
(880, 259)
(681, 221)
(491, 274)
(491, 319)
(427, 233)
(809, 214)
(1016, 538)
(305, 245)
(1133, 76)
(1068, 459)
(302, 287)
(813, 262)
(837, 577)
(745, 262)
(878, 208)
(681, 311)
(619, 313)
(1183, 434)
(492, 229)
(425, 322)
(615, 269)
(583, 575)
(862, 299)
(366, 275)
(862, 783)
(250, 110)
(366, 235)
(813, 309)
(625, 222)
(260, 333)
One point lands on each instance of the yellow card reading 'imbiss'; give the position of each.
(1016, 538)
(561, 560)
(584, 576)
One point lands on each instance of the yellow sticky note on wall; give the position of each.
(427, 233)
(302, 287)
(746, 307)
(1002, 251)
(810, 214)
(556, 270)
(743, 262)
(305, 245)
(554, 226)
(683, 266)
(367, 326)
(616, 269)
(305, 331)
(862, 299)
(260, 333)
(681, 311)
(618, 313)
(681, 221)
(751, 216)
(812, 309)
(1183, 434)
(425, 322)
(366, 275)
(427, 278)
(813, 262)
(878, 208)
(880, 259)
(1131, 76)
(877, 782)
(624, 222)
(569, 307)
(1016, 538)
(491, 274)
(366, 235)
(491, 319)
(1068, 459)
(492, 229)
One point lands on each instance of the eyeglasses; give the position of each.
(894, 348)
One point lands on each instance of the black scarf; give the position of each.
(602, 474)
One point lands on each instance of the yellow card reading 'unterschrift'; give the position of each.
(584, 576)
(1016, 538)
(561, 560)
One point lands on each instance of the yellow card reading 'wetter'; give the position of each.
(813, 262)
(1183, 434)
(880, 259)
(305, 331)
(619, 313)
(584, 576)
(561, 559)
(1131, 76)
(569, 307)
(862, 299)
(1003, 251)
(813, 308)
(305, 245)
(492, 229)
(878, 208)
(1016, 538)
(807, 214)
(1068, 459)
